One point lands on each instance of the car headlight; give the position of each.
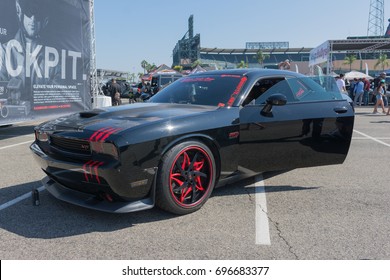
(41, 136)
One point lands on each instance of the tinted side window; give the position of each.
(277, 85)
(302, 89)
(314, 89)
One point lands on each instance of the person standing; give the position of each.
(115, 93)
(377, 80)
(352, 88)
(380, 78)
(367, 87)
(379, 93)
(341, 83)
(358, 90)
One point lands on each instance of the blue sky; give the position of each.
(129, 31)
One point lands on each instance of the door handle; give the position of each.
(341, 110)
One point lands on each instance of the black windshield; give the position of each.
(212, 90)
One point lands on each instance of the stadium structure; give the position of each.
(330, 56)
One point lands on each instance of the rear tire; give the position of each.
(186, 178)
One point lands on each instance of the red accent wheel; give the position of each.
(190, 176)
(187, 178)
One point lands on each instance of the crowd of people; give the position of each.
(118, 89)
(362, 90)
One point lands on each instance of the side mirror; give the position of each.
(276, 99)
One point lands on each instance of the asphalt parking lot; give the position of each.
(329, 212)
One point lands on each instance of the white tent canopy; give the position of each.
(356, 74)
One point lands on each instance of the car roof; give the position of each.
(249, 71)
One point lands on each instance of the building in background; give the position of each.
(330, 56)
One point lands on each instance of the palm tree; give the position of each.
(242, 64)
(195, 63)
(260, 57)
(133, 77)
(349, 59)
(151, 67)
(382, 61)
(144, 65)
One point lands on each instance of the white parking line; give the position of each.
(262, 224)
(18, 199)
(365, 138)
(16, 135)
(372, 138)
(14, 145)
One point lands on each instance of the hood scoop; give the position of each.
(90, 114)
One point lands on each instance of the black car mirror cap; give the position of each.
(276, 99)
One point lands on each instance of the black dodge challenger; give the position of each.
(194, 134)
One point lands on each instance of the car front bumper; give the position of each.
(104, 188)
(94, 202)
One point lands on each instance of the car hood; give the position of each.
(124, 117)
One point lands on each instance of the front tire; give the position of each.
(186, 178)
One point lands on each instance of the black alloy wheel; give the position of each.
(186, 178)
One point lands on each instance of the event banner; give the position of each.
(319, 54)
(44, 58)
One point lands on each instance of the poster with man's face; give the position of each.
(44, 58)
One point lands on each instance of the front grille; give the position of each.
(70, 145)
(75, 181)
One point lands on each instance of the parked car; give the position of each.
(195, 134)
(160, 81)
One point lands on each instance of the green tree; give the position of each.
(260, 57)
(195, 63)
(242, 64)
(144, 65)
(382, 61)
(133, 77)
(151, 67)
(348, 60)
